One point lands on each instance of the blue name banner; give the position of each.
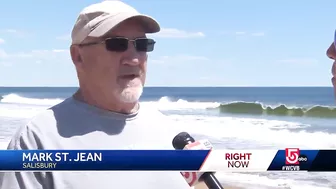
(102, 160)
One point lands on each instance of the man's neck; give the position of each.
(124, 108)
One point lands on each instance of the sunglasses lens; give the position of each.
(116, 44)
(145, 45)
(121, 44)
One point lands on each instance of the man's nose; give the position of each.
(331, 52)
(132, 56)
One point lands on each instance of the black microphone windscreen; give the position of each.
(181, 140)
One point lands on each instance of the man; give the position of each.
(109, 50)
(331, 53)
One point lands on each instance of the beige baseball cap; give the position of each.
(98, 19)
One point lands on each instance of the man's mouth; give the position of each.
(129, 76)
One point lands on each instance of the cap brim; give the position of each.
(150, 24)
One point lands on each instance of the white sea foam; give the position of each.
(166, 104)
(245, 130)
(15, 111)
(3, 145)
(14, 98)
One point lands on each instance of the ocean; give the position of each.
(230, 117)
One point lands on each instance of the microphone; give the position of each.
(184, 141)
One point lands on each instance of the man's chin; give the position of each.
(131, 94)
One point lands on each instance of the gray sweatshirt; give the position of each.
(76, 125)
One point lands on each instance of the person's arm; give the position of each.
(24, 139)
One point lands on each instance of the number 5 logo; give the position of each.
(292, 156)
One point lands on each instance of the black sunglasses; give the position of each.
(120, 44)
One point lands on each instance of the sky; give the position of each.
(202, 43)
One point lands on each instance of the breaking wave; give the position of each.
(254, 108)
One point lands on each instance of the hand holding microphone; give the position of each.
(184, 141)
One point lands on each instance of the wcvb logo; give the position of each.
(292, 156)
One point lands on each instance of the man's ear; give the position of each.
(76, 55)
